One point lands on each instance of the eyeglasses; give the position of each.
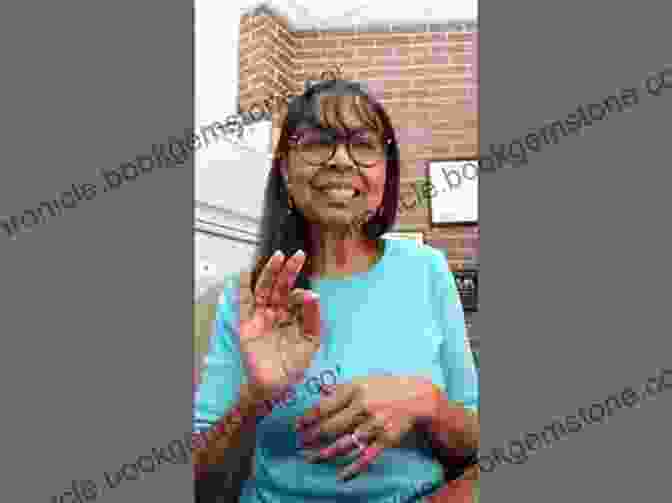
(318, 146)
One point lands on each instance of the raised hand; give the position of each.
(280, 327)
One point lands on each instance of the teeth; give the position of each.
(340, 193)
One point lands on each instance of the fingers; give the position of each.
(341, 447)
(340, 399)
(382, 431)
(310, 312)
(286, 278)
(277, 277)
(298, 300)
(367, 457)
(264, 287)
(345, 444)
(338, 424)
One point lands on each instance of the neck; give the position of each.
(339, 253)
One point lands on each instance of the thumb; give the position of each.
(310, 302)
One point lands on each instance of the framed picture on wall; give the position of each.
(456, 198)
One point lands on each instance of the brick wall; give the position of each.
(426, 79)
(267, 64)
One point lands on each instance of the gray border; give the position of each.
(571, 307)
(96, 352)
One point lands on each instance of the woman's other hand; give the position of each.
(279, 327)
(379, 410)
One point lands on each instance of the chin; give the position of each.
(337, 218)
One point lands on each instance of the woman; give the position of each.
(344, 353)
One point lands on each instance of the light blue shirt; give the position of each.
(402, 317)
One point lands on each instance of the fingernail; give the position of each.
(300, 253)
(277, 253)
(313, 295)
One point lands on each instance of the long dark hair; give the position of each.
(287, 230)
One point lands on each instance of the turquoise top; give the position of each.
(401, 317)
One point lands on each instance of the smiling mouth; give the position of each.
(338, 192)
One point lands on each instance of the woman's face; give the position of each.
(338, 193)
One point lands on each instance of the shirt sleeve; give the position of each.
(455, 355)
(223, 373)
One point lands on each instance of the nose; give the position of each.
(341, 156)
